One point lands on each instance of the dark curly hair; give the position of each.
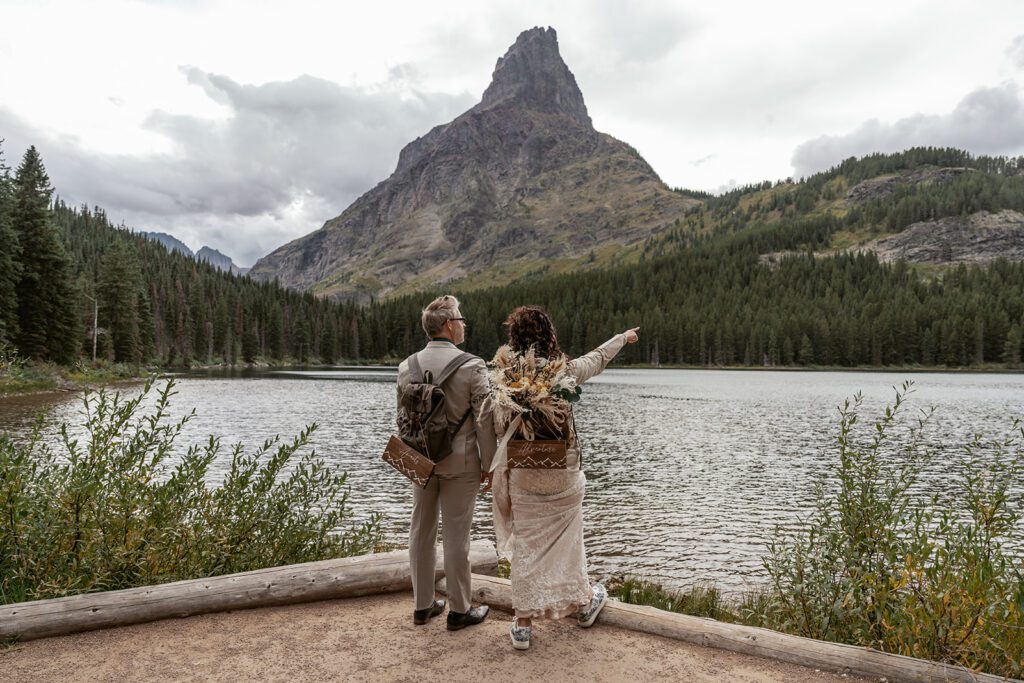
(531, 326)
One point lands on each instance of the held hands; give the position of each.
(486, 477)
(631, 335)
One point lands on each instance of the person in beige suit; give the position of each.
(453, 488)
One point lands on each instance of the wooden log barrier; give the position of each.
(344, 577)
(817, 654)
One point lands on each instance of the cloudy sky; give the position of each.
(244, 124)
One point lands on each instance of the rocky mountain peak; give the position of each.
(219, 260)
(520, 179)
(533, 76)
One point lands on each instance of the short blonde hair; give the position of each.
(438, 312)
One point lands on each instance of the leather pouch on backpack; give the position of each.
(549, 452)
(537, 454)
(409, 462)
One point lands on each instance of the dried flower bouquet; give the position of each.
(538, 389)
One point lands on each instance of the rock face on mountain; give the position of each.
(212, 256)
(879, 188)
(522, 176)
(219, 261)
(170, 241)
(978, 238)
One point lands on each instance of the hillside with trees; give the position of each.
(62, 268)
(766, 276)
(859, 199)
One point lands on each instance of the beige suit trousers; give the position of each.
(453, 488)
(455, 494)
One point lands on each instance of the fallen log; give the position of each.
(344, 577)
(816, 654)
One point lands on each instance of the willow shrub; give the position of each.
(117, 508)
(882, 564)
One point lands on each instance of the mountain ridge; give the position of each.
(521, 176)
(771, 275)
(218, 259)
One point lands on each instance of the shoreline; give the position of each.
(931, 369)
(64, 385)
(380, 364)
(72, 382)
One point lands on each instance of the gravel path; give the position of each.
(373, 639)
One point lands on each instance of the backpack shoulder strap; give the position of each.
(414, 367)
(453, 365)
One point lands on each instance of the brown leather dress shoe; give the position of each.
(422, 616)
(475, 615)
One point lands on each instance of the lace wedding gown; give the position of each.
(538, 517)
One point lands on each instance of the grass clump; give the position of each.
(114, 509)
(19, 375)
(100, 372)
(701, 600)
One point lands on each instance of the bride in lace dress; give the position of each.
(538, 513)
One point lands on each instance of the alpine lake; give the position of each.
(689, 472)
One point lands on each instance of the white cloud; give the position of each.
(245, 149)
(1016, 52)
(986, 121)
(254, 178)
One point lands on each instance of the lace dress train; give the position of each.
(549, 563)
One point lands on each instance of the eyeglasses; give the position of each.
(459, 319)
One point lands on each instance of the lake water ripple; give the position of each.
(688, 471)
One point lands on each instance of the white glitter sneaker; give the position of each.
(588, 616)
(520, 636)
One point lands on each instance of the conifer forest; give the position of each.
(749, 278)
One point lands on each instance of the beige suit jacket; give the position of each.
(474, 444)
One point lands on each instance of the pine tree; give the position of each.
(250, 343)
(275, 332)
(46, 304)
(181, 352)
(221, 337)
(806, 351)
(300, 336)
(1012, 346)
(118, 294)
(10, 253)
(979, 340)
(147, 327)
(328, 341)
(353, 349)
